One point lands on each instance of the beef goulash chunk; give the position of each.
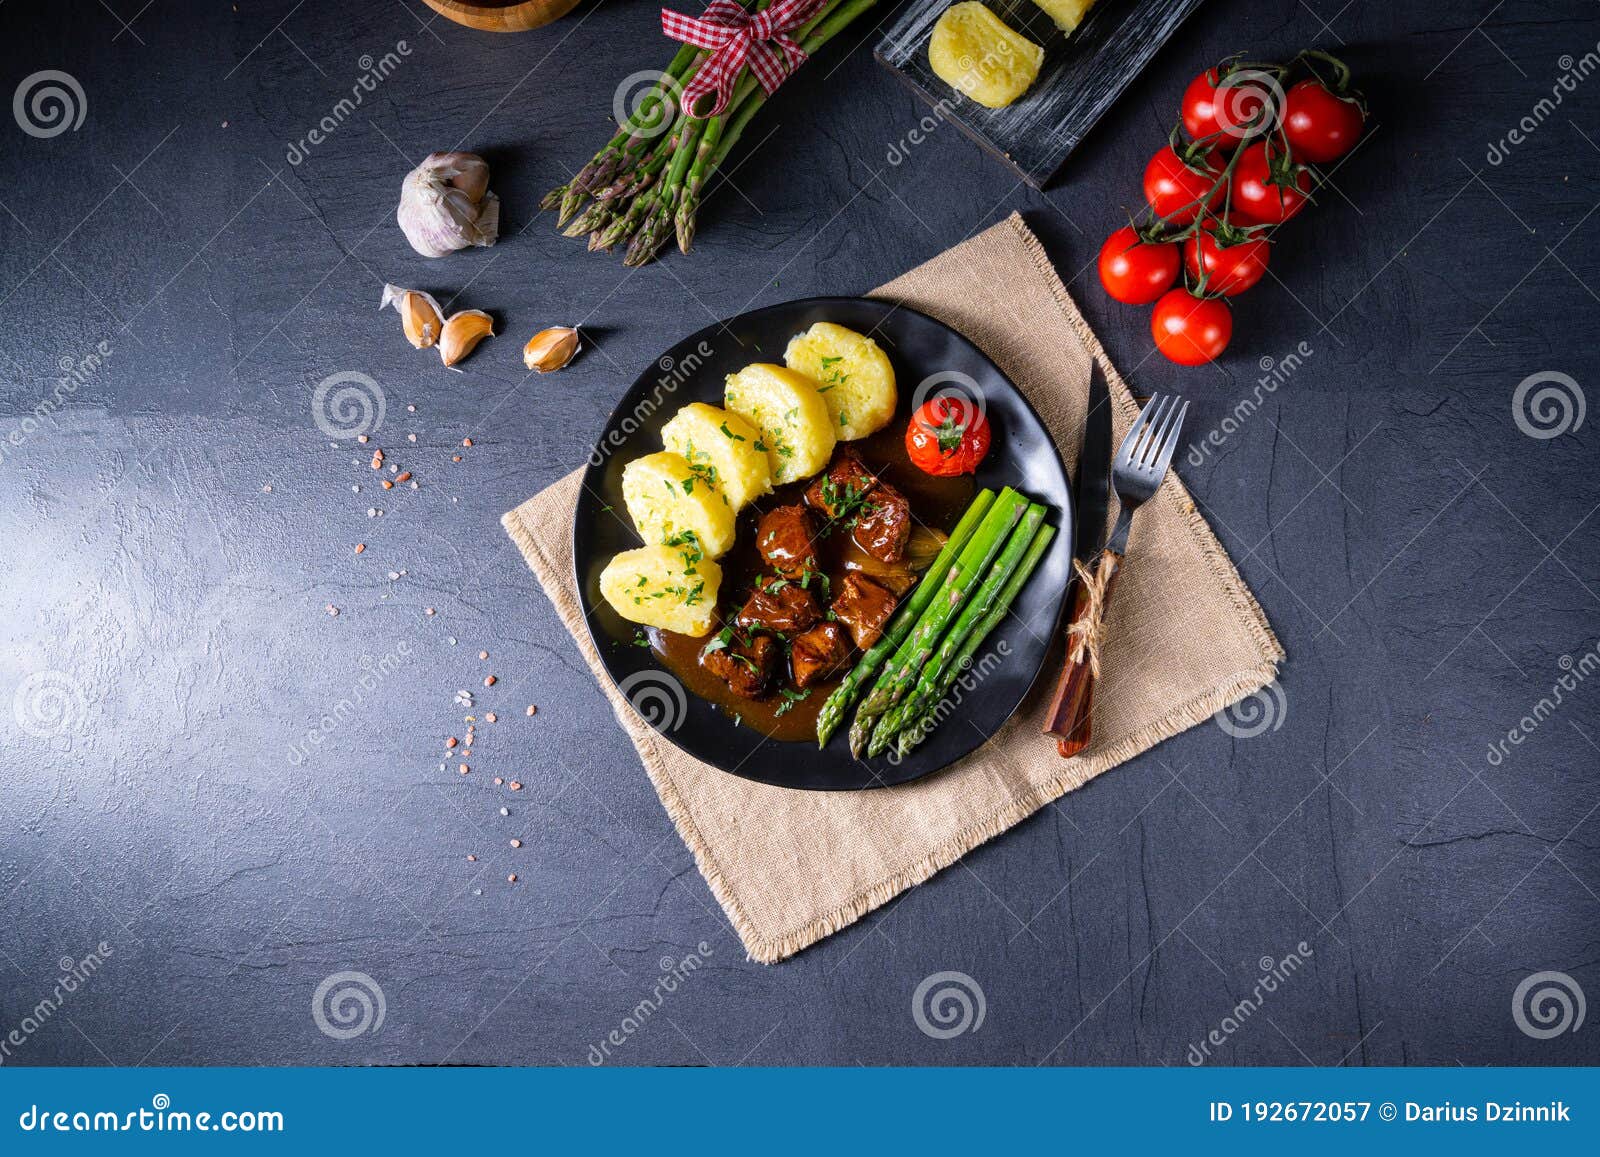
(815, 654)
(863, 607)
(785, 537)
(884, 524)
(779, 605)
(746, 666)
(840, 491)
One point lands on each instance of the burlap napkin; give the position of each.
(1186, 638)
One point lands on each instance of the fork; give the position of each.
(1136, 473)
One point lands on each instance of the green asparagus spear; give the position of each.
(936, 710)
(924, 678)
(832, 713)
(963, 577)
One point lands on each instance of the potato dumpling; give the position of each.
(796, 428)
(668, 501)
(720, 446)
(663, 586)
(974, 52)
(852, 374)
(1067, 14)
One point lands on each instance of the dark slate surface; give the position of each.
(1429, 567)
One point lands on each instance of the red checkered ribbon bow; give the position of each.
(737, 37)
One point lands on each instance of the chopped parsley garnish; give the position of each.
(730, 434)
(790, 698)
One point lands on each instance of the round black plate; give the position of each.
(1022, 455)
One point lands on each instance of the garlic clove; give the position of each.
(551, 349)
(445, 204)
(462, 333)
(465, 171)
(419, 314)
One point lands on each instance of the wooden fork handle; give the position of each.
(1070, 709)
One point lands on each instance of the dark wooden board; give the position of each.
(1082, 74)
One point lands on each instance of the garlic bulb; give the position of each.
(445, 204)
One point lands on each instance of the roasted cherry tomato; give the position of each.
(1190, 330)
(1269, 187)
(948, 435)
(1232, 259)
(1221, 113)
(1176, 189)
(1136, 271)
(1321, 125)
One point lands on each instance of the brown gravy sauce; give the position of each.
(935, 502)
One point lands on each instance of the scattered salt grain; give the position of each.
(516, 843)
(428, 611)
(505, 811)
(333, 611)
(267, 489)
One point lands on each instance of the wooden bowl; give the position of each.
(516, 16)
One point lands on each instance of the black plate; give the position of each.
(1022, 455)
(1081, 77)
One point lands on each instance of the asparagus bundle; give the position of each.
(647, 182)
(945, 675)
(832, 713)
(964, 575)
(924, 676)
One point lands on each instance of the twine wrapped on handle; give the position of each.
(1088, 633)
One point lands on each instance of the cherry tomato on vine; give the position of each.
(1136, 271)
(1221, 113)
(1174, 188)
(1232, 259)
(1190, 330)
(1269, 187)
(1321, 125)
(948, 435)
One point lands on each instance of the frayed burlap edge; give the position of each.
(770, 949)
